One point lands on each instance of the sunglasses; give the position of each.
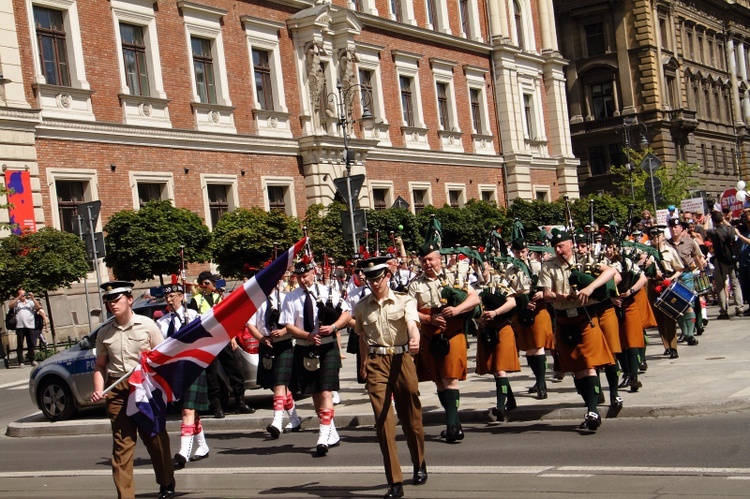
(205, 283)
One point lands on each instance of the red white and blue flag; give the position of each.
(164, 373)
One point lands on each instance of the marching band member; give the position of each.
(496, 343)
(669, 266)
(387, 324)
(579, 340)
(692, 259)
(317, 359)
(276, 354)
(196, 396)
(532, 322)
(441, 324)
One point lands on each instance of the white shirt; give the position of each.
(259, 318)
(179, 319)
(293, 309)
(25, 313)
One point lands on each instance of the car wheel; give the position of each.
(56, 399)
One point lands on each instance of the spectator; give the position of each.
(25, 306)
(646, 219)
(40, 323)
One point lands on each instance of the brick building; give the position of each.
(672, 72)
(219, 104)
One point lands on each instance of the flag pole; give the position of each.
(122, 378)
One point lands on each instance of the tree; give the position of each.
(677, 180)
(324, 229)
(41, 261)
(400, 221)
(245, 238)
(146, 243)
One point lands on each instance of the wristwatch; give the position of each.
(334, 329)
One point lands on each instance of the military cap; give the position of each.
(206, 276)
(559, 236)
(114, 289)
(304, 265)
(375, 267)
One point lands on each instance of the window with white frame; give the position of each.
(150, 186)
(57, 52)
(437, 16)
(211, 102)
(468, 17)
(402, 11)
(529, 120)
(487, 193)
(475, 80)
(542, 193)
(70, 187)
(381, 194)
(519, 24)
(278, 194)
(142, 92)
(407, 68)
(446, 102)
(366, 6)
(406, 87)
(220, 196)
(455, 195)
(371, 92)
(421, 196)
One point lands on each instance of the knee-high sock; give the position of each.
(689, 319)
(590, 389)
(633, 360)
(325, 416)
(538, 365)
(501, 389)
(452, 398)
(612, 381)
(622, 358)
(441, 398)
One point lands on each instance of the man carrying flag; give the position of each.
(119, 345)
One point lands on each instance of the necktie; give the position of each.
(267, 318)
(170, 329)
(309, 315)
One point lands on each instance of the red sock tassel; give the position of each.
(278, 402)
(289, 403)
(325, 415)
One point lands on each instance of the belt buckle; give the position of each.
(390, 350)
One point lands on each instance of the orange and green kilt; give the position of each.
(454, 365)
(610, 325)
(503, 357)
(631, 330)
(539, 335)
(591, 352)
(644, 308)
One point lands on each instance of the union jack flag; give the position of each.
(164, 373)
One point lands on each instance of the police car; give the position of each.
(63, 383)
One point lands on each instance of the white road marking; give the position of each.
(15, 383)
(543, 471)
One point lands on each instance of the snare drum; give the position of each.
(675, 300)
(702, 284)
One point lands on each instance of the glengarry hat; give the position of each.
(173, 288)
(559, 236)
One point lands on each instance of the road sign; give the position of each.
(653, 195)
(89, 211)
(99, 242)
(360, 222)
(401, 204)
(650, 163)
(356, 182)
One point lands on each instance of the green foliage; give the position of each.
(536, 213)
(467, 226)
(146, 243)
(245, 238)
(677, 181)
(324, 230)
(40, 261)
(387, 221)
(606, 208)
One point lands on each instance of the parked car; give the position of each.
(63, 383)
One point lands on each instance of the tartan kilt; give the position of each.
(326, 378)
(196, 396)
(280, 373)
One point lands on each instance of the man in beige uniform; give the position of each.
(386, 322)
(118, 347)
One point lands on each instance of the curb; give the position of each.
(28, 429)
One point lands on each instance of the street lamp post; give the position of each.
(344, 99)
(628, 123)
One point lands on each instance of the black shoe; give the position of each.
(705, 321)
(454, 433)
(293, 429)
(179, 461)
(273, 431)
(321, 450)
(420, 474)
(692, 341)
(625, 381)
(219, 413)
(681, 338)
(643, 367)
(498, 414)
(541, 393)
(592, 421)
(534, 388)
(746, 313)
(667, 351)
(166, 491)
(395, 490)
(673, 354)
(199, 457)
(723, 317)
(635, 384)
(616, 403)
(243, 408)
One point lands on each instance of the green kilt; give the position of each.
(281, 356)
(196, 396)
(326, 378)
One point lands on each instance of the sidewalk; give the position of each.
(708, 378)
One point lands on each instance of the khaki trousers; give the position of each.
(125, 434)
(395, 375)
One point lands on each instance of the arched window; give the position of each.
(519, 24)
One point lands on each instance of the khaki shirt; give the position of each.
(554, 276)
(384, 323)
(670, 259)
(689, 251)
(519, 281)
(123, 344)
(427, 290)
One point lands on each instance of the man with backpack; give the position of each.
(726, 257)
